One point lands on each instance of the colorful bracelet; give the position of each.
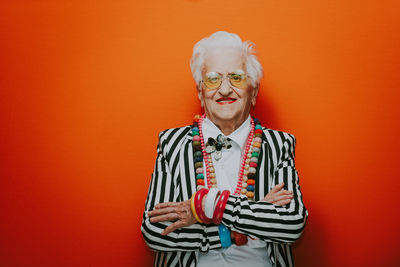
(220, 207)
(194, 209)
(210, 202)
(224, 236)
(198, 203)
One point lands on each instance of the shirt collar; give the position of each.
(239, 136)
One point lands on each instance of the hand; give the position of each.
(178, 212)
(279, 196)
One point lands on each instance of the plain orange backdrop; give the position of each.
(85, 87)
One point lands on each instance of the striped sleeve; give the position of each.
(164, 187)
(263, 220)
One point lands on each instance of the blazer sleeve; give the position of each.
(266, 221)
(164, 189)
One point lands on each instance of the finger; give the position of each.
(172, 227)
(282, 202)
(166, 204)
(161, 211)
(276, 198)
(283, 192)
(279, 198)
(273, 191)
(277, 187)
(272, 195)
(171, 217)
(288, 192)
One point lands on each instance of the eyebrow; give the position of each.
(227, 73)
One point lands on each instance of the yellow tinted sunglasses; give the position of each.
(213, 80)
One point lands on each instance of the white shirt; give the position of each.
(254, 253)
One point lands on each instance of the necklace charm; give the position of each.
(218, 155)
(210, 149)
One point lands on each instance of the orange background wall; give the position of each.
(85, 87)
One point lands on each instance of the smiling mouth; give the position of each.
(225, 100)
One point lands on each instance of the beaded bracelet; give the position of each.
(210, 202)
(224, 236)
(220, 207)
(198, 201)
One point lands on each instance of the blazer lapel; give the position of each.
(262, 175)
(186, 167)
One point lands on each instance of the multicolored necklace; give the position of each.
(247, 172)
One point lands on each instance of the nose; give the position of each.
(225, 88)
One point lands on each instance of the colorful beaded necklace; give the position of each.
(247, 172)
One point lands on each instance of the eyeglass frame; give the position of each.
(223, 78)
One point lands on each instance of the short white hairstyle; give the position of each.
(226, 40)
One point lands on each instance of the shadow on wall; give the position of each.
(311, 249)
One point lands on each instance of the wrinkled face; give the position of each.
(232, 100)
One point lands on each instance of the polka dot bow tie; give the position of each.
(216, 145)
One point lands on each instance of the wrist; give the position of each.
(198, 204)
(209, 205)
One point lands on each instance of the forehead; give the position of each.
(223, 60)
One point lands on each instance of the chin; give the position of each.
(227, 115)
(225, 112)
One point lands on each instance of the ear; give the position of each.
(200, 95)
(254, 95)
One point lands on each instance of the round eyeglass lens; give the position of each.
(213, 80)
(238, 80)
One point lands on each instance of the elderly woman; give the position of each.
(224, 190)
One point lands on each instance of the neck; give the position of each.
(228, 126)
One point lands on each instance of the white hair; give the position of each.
(225, 39)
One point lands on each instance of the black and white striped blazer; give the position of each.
(173, 180)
